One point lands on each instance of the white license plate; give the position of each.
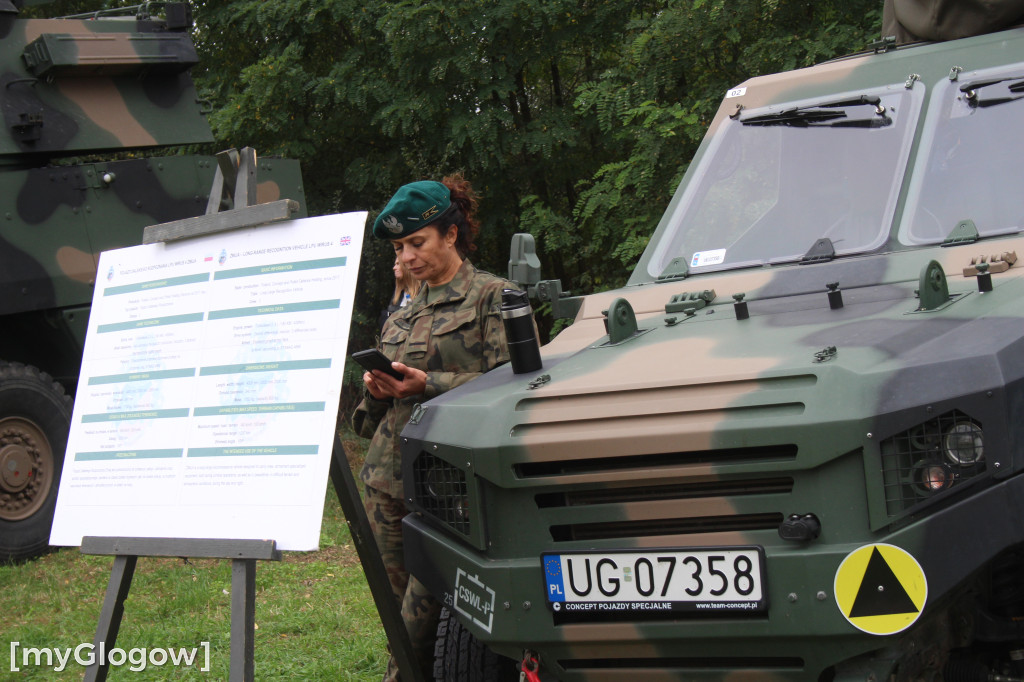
(713, 580)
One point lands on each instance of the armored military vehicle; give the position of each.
(792, 446)
(85, 101)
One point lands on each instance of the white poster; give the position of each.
(210, 383)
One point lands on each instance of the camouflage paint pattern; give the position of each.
(106, 96)
(118, 85)
(912, 20)
(85, 105)
(707, 430)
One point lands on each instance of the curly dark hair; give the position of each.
(463, 216)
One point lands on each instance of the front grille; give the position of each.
(931, 459)
(637, 503)
(441, 492)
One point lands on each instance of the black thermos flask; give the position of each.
(523, 347)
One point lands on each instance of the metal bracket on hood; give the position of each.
(932, 290)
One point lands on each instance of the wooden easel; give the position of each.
(236, 173)
(126, 551)
(235, 181)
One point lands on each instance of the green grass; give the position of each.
(315, 619)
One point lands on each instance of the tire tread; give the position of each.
(460, 657)
(26, 391)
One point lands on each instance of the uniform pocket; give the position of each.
(402, 342)
(458, 338)
(393, 339)
(446, 322)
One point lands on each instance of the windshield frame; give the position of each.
(945, 98)
(670, 244)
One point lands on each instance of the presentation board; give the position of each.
(209, 389)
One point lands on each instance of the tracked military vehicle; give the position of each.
(792, 446)
(86, 102)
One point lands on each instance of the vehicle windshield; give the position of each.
(778, 179)
(973, 159)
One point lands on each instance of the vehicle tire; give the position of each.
(460, 657)
(35, 417)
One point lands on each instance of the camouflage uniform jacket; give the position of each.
(455, 339)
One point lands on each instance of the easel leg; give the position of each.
(110, 616)
(243, 619)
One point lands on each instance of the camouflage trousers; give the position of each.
(420, 610)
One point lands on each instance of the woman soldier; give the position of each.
(450, 333)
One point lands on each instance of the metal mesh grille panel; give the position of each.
(441, 492)
(930, 459)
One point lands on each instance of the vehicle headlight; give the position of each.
(442, 491)
(933, 478)
(931, 458)
(431, 483)
(963, 443)
(462, 508)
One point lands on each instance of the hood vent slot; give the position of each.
(648, 493)
(656, 527)
(778, 453)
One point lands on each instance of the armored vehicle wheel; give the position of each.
(460, 657)
(35, 416)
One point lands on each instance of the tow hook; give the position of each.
(530, 666)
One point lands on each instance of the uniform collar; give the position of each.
(455, 290)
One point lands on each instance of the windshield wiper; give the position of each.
(971, 91)
(830, 114)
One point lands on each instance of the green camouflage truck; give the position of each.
(792, 446)
(85, 102)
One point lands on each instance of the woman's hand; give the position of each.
(382, 386)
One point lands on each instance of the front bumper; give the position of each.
(802, 633)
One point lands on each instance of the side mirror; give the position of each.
(524, 270)
(523, 264)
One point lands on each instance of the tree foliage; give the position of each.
(574, 118)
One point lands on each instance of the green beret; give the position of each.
(414, 206)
